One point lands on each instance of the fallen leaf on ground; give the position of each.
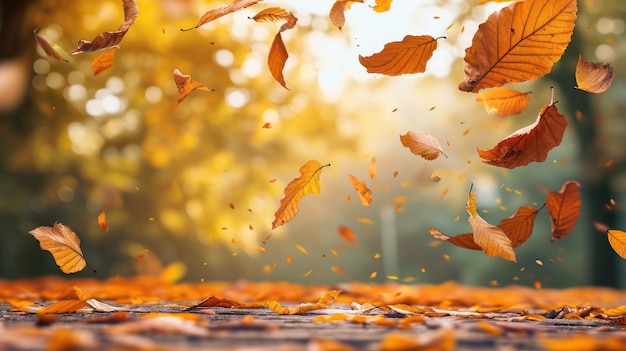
(64, 306)
(365, 194)
(503, 102)
(103, 307)
(401, 57)
(186, 85)
(422, 145)
(324, 302)
(593, 77)
(213, 301)
(64, 245)
(440, 340)
(221, 11)
(107, 40)
(564, 208)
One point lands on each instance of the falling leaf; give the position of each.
(382, 5)
(465, 241)
(278, 52)
(347, 234)
(52, 50)
(102, 62)
(307, 183)
(402, 57)
(224, 10)
(186, 85)
(490, 238)
(564, 208)
(107, 40)
(324, 302)
(272, 14)
(531, 143)
(267, 125)
(593, 77)
(521, 42)
(503, 102)
(102, 221)
(336, 15)
(422, 145)
(617, 239)
(372, 168)
(519, 226)
(64, 245)
(365, 194)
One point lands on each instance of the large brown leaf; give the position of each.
(520, 42)
(221, 11)
(278, 52)
(106, 40)
(401, 57)
(63, 244)
(531, 143)
(490, 238)
(519, 226)
(503, 102)
(564, 208)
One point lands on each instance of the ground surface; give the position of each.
(147, 314)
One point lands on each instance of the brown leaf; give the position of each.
(617, 239)
(518, 43)
(402, 57)
(103, 62)
(272, 14)
(365, 194)
(503, 101)
(564, 208)
(186, 85)
(519, 226)
(593, 77)
(64, 245)
(278, 52)
(348, 235)
(531, 143)
(465, 241)
(52, 50)
(224, 10)
(324, 302)
(490, 238)
(213, 301)
(336, 15)
(422, 145)
(107, 40)
(307, 183)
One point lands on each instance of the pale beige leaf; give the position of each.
(422, 145)
(63, 244)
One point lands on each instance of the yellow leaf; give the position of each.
(518, 43)
(401, 57)
(186, 85)
(271, 14)
(422, 145)
(64, 245)
(365, 194)
(324, 302)
(102, 62)
(490, 238)
(593, 77)
(307, 183)
(382, 5)
(617, 239)
(503, 101)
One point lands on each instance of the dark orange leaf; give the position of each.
(372, 168)
(271, 14)
(531, 143)
(617, 239)
(63, 244)
(382, 5)
(401, 57)
(519, 226)
(439, 340)
(186, 85)
(52, 50)
(328, 345)
(365, 194)
(490, 238)
(465, 241)
(102, 221)
(503, 101)
(324, 302)
(267, 125)
(64, 306)
(307, 183)
(336, 15)
(102, 62)
(422, 145)
(107, 40)
(213, 301)
(564, 208)
(224, 10)
(347, 234)
(518, 43)
(593, 77)
(278, 52)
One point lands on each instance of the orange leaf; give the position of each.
(401, 57)
(372, 168)
(102, 62)
(278, 52)
(617, 239)
(307, 183)
(365, 194)
(422, 145)
(582, 342)
(102, 221)
(107, 40)
(328, 345)
(52, 50)
(518, 43)
(503, 101)
(440, 340)
(465, 241)
(186, 85)
(528, 144)
(519, 226)
(271, 14)
(213, 301)
(64, 306)
(324, 302)
(224, 10)
(490, 238)
(63, 244)
(564, 208)
(593, 77)
(382, 5)
(336, 15)
(347, 234)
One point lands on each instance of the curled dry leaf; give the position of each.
(186, 85)
(278, 54)
(402, 57)
(593, 77)
(272, 14)
(365, 194)
(531, 143)
(503, 102)
(102, 62)
(52, 50)
(422, 145)
(63, 244)
(324, 302)
(490, 238)
(348, 235)
(518, 43)
(307, 183)
(107, 40)
(336, 15)
(224, 10)
(564, 208)
(617, 239)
